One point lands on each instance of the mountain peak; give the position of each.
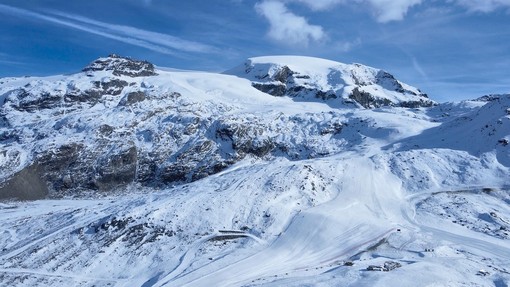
(122, 66)
(313, 79)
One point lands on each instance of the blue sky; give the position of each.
(450, 49)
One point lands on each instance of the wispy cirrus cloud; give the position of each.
(158, 42)
(8, 60)
(163, 40)
(286, 26)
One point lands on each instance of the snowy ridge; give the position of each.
(185, 178)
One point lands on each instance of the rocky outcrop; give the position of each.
(26, 184)
(132, 98)
(367, 100)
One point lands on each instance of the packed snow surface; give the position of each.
(422, 193)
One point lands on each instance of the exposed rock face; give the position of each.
(132, 98)
(367, 100)
(31, 99)
(26, 184)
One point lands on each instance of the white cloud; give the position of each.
(483, 5)
(288, 27)
(383, 10)
(391, 10)
(395, 10)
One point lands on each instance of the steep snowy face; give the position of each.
(314, 79)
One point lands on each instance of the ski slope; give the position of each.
(367, 218)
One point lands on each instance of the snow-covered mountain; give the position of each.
(284, 171)
(120, 121)
(338, 84)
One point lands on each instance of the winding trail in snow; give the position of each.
(187, 258)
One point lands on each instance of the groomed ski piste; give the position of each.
(424, 191)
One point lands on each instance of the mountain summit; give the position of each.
(121, 66)
(308, 79)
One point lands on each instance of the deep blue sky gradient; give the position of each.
(449, 51)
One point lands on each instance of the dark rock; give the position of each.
(92, 96)
(4, 123)
(27, 184)
(334, 129)
(57, 166)
(417, 104)
(112, 87)
(117, 169)
(389, 82)
(105, 130)
(368, 101)
(245, 139)
(387, 266)
(28, 102)
(277, 90)
(9, 136)
(256, 147)
(174, 173)
(325, 95)
(61, 158)
(132, 98)
(283, 75)
(147, 169)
